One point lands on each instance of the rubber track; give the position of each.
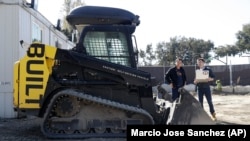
(97, 100)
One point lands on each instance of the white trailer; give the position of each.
(20, 21)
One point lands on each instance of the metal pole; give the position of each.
(163, 65)
(164, 71)
(230, 71)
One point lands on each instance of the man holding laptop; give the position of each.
(203, 76)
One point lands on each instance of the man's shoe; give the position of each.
(214, 116)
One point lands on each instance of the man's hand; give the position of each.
(171, 84)
(195, 81)
(209, 79)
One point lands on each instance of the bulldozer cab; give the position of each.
(106, 33)
(111, 43)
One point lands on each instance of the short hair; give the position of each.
(201, 59)
(179, 59)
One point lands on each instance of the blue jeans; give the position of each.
(175, 93)
(207, 93)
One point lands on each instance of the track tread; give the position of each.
(104, 102)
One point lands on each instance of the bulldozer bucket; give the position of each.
(188, 111)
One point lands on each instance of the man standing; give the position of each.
(176, 78)
(203, 86)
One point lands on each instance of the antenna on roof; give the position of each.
(58, 25)
(32, 4)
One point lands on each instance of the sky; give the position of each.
(214, 20)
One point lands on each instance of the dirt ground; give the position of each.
(230, 109)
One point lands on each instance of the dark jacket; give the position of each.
(171, 76)
(206, 84)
